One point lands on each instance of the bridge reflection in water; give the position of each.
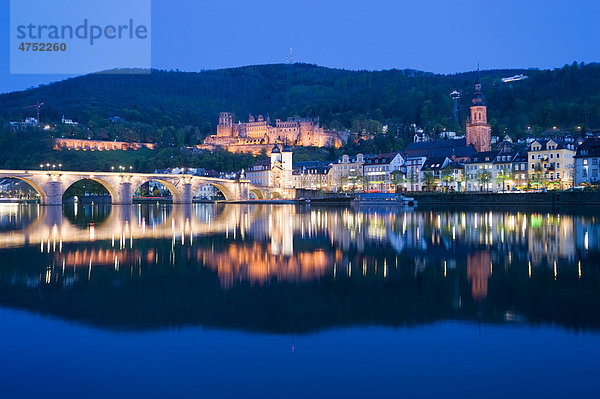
(284, 267)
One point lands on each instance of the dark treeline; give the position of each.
(356, 100)
(175, 109)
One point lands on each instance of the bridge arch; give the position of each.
(112, 191)
(176, 194)
(38, 189)
(257, 193)
(224, 190)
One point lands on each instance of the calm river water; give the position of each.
(288, 301)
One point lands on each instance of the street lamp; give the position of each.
(60, 166)
(41, 167)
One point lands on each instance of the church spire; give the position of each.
(478, 97)
(478, 132)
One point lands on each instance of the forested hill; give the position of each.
(357, 100)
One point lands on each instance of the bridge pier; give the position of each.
(244, 190)
(186, 194)
(125, 195)
(54, 193)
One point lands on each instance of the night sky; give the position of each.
(437, 36)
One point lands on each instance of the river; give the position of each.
(298, 301)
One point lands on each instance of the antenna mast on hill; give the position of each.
(291, 59)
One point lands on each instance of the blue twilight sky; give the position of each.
(432, 35)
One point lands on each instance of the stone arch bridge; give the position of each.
(51, 185)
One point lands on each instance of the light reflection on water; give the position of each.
(539, 267)
(299, 301)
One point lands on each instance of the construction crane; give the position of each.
(37, 107)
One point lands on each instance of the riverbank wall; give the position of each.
(547, 198)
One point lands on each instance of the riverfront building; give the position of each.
(587, 163)
(551, 163)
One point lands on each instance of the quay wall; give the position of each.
(548, 198)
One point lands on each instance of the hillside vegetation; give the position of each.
(180, 108)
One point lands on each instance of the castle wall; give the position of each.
(251, 136)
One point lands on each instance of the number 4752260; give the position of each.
(43, 47)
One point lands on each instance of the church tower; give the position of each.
(479, 133)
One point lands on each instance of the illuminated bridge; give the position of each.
(51, 185)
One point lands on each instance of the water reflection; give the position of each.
(281, 268)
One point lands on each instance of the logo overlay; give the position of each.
(66, 37)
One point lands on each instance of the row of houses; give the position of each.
(448, 165)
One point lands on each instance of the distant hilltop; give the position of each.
(180, 108)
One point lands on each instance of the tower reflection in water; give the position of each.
(434, 262)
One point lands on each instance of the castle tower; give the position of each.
(225, 126)
(479, 133)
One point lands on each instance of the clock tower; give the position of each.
(479, 132)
